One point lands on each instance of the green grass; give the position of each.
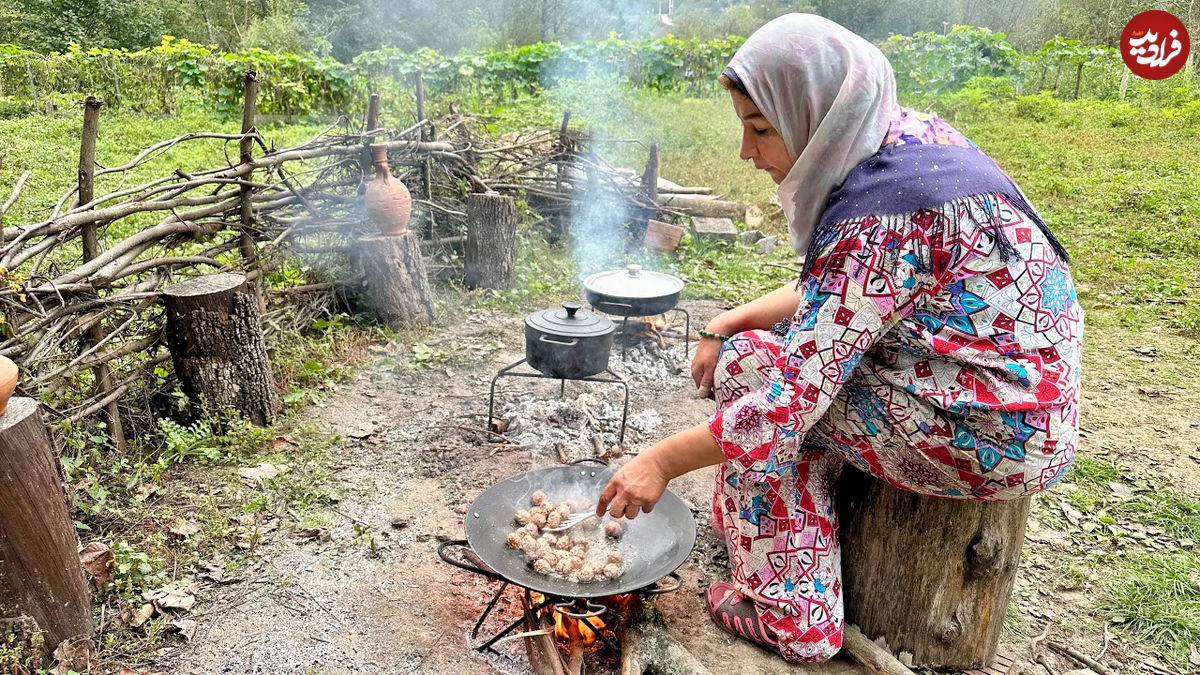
(1157, 599)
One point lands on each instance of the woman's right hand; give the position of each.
(704, 365)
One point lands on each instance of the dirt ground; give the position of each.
(375, 598)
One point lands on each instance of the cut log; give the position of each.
(490, 257)
(215, 335)
(704, 207)
(932, 576)
(40, 575)
(395, 286)
(647, 647)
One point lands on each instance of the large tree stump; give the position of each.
(395, 286)
(490, 258)
(933, 576)
(214, 332)
(40, 574)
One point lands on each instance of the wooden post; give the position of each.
(1124, 82)
(214, 332)
(40, 574)
(932, 576)
(1078, 79)
(396, 286)
(365, 159)
(91, 249)
(490, 258)
(650, 177)
(246, 155)
(426, 164)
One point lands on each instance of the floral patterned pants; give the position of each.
(781, 529)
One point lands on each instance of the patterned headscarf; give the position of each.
(829, 93)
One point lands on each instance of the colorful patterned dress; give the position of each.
(922, 353)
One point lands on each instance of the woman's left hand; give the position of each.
(637, 486)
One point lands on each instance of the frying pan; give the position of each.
(655, 544)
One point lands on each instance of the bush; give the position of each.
(931, 63)
(1041, 107)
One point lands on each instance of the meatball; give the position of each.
(580, 540)
(578, 551)
(564, 511)
(538, 498)
(566, 565)
(551, 557)
(616, 558)
(522, 517)
(613, 529)
(612, 570)
(533, 555)
(550, 539)
(529, 544)
(530, 529)
(590, 524)
(563, 543)
(554, 519)
(514, 540)
(542, 566)
(586, 574)
(537, 519)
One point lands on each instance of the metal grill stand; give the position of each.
(687, 330)
(583, 609)
(507, 372)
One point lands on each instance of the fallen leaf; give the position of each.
(139, 616)
(97, 559)
(186, 628)
(261, 472)
(126, 670)
(283, 443)
(183, 528)
(1121, 490)
(312, 534)
(74, 654)
(170, 597)
(1145, 351)
(1194, 655)
(144, 490)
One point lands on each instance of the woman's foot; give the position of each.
(736, 614)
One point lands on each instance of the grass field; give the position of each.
(1119, 185)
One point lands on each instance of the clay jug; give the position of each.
(8, 382)
(388, 203)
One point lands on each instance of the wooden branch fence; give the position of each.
(82, 309)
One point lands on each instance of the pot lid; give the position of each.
(570, 321)
(633, 282)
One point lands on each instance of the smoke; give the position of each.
(601, 100)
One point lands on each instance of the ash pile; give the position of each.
(579, 425)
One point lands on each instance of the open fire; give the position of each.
(579, 631)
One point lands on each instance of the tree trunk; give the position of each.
(40, 575)
(490, 259)
(647, 646)
(395, 287)
(214, 332)
(933, 576)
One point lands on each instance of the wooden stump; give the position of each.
(41, 581)
(647, 646)
(214, 332)
(490, 259)
(933, 576)
(395, 286)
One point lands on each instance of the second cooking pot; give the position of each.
(570, 343)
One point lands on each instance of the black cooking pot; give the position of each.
(570, 343)
(632, 291)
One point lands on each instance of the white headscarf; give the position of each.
(829, 93)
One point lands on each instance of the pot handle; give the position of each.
(624, 305)
(572, 343)
(444, 554)
(584, 460)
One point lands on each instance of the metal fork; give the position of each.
(570, 521)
